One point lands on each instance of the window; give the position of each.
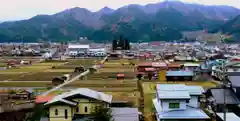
(56, 111)
(77, 109)
(174, 105)
(86, 109)
(66, 113)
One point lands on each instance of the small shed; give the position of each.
(179, 75)
(120, 76)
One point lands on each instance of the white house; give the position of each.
(178, 102)
(97, 52)
(75, 49)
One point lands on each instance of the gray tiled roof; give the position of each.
(218, 95)
(125, 114)
(229, 116)
(235, 80)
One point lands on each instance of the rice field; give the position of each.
(43, 71)
(104, 80)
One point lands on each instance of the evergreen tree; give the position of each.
(37, 113)
(102, 114)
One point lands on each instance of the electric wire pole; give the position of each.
(224, 91)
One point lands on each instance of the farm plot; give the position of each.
(40, 76)
(104, 80)
(110, 75)
(121, 90)
(72, 64)
(8, 76)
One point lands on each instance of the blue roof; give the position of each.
(188, 113)
(179, 73)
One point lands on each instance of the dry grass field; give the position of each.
(42, 71)
(104, 80)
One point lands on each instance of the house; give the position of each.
(215, 98)
(185, 58)
(191, 66)
(77, 49)
(178, 102)
(229, 117)
(179, 75)
(97, 52)
(235, 85)
(174, 66)
(76, 104)
(142, 66)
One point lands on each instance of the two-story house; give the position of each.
(178, 102)
(77, 103)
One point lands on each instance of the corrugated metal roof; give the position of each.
(171, 87)
(191, 64)
(174, 65)
(78, 46)
(229, 116)
(192, 89)
(234, 80)
(97, 50)
(125, 114)
(195, 90)
(218, 95)
(173, 95)
(179, 73)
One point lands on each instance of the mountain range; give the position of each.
(231, 28)
(163, 21)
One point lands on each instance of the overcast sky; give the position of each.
(24, 9)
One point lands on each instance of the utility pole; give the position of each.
(224, 91)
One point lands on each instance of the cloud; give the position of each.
(22, 9)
